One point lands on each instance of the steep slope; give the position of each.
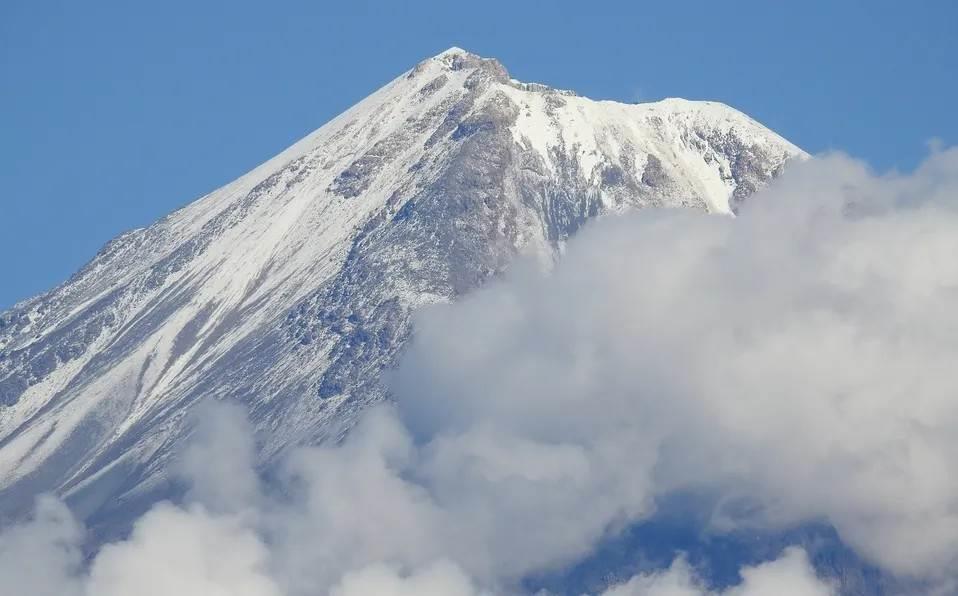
(291, 288)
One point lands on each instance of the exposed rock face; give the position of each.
(291, 289)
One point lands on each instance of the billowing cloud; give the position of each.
(184, 552)
(795, 364)
(42, 555)
(790, 575)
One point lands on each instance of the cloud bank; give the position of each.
(795, 363)
(798, 361)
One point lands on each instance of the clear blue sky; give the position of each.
(115, 112)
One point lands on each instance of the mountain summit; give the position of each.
(291, 288)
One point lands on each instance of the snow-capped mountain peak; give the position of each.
(290, 289)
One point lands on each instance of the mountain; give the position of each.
(291, 288)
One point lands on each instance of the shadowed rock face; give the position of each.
(291, 289)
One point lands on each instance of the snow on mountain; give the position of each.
(290, 289)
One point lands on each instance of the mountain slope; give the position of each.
(291, 288)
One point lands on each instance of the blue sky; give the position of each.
(113, 113)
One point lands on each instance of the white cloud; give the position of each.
(789, 575)
(42, 556)
(350, 507)
(796, 362)
(224, 437)
(186, 553)
(798, 359)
